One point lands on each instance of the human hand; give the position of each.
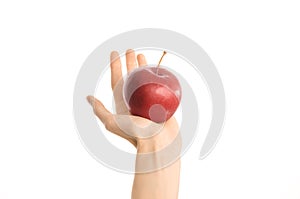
(142, 133)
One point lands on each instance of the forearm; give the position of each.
(163, 182)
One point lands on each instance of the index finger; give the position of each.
(116, 68)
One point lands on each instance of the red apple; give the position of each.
(152, 92)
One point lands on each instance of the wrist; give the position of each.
(156, 154)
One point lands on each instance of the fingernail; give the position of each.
(114, 55)
(129, 51)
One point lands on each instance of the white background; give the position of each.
(254, 44)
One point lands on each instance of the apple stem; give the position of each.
(164, 53)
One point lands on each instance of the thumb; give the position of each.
(102, 113)
(107, 118)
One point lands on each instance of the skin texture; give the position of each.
(161, 181)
